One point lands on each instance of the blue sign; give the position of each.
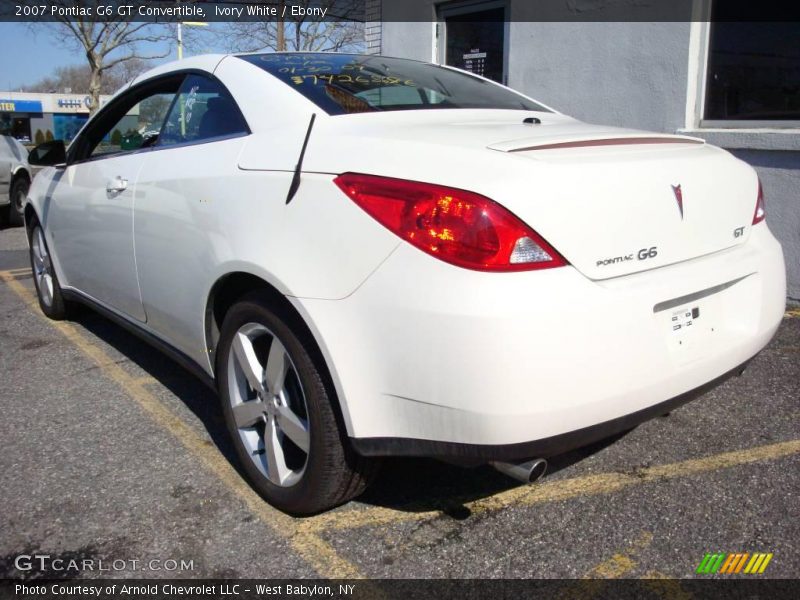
(28, 106)
(66, 127)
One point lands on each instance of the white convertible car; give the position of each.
(370, 256)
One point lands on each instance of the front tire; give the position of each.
(280, 415)
(48, 290)
(19, 195)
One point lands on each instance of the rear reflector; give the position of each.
(456, 226)
(761, 208)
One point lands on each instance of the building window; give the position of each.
(472, 36)
(753, 71)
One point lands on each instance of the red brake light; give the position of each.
(761, 208)
(456, 226)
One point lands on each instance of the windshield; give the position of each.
(352, 83)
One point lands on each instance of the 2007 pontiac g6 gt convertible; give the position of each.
(370, 256)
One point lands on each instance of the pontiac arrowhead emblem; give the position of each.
(676, 189)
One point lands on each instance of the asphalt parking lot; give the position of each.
(110, 451)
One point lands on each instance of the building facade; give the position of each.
(30, 116)
(737, 85)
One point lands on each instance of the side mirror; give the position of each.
(49, 154)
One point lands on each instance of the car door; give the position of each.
(90, 212)
(184, 202)
(6, 158)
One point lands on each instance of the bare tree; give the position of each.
(299, 32)
(106, 45)
(76, 78)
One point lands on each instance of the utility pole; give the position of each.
(180, 57)
(281, 31)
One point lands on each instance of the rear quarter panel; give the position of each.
(198, 217)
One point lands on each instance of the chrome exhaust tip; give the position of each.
(526, 472)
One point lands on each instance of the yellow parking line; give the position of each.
(18, 273)
(312, 549)
(792, 313)
(305, 535)
(309, 544)
(666, 587)
(619, 565)
(589, 485)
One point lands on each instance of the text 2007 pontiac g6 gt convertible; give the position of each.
(371, 256)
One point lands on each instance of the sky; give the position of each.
(28, 56)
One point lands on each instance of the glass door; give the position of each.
(474, 38)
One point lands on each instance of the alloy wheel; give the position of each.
(19, 200)
(268, 405)
(42, 266)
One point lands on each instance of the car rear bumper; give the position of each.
(433, 360)
(541, 448)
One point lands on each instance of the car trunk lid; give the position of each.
(620, 204)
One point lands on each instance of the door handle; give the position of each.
(118, 184)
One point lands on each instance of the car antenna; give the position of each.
(299, 167)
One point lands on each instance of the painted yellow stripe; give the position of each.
(555, 491)
(620, 564)
(752, 562)
(759, 560)
(792, 313)
(665, 586)
(304, 535)
(18, 273)
(312, 547)
(764, 564)
(326, 562)
(613, 568)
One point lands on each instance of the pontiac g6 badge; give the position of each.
(676, 189)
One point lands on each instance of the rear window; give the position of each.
(350, 83)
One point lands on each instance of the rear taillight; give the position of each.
(761, 209)
(456, 226)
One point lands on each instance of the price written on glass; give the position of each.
(320, 71)
(331, 78)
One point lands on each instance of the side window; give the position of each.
(139, 127)
(204, 110)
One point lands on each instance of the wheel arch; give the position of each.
(21, 171)
(231, 287)
(20, 178)
(30, 217)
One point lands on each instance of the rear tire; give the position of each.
(48, 290)
(19, 195)
(280, 414)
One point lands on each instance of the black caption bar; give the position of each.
(157, 11)
(420, 589)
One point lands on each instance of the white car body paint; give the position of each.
(13, 160)
(419, 349)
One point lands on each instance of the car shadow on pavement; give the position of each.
(422, 485)
(182, 384)
(407, 484)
